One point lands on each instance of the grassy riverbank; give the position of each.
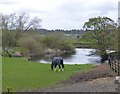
(20, 74)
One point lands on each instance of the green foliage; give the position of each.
(0, 37)
(100, 30)
(31, 42)
(48, 41)
(4, 53)
(114, 37)
(20, 74)
(85, 40)
(0, 72)
(65, 45)
(8, 39)
(57, 41)
(23, 50)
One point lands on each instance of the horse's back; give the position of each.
(57, 60)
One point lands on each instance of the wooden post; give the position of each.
(117, 81)
(119, 68)
(115, 63)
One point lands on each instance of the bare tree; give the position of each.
(21, 23)
(24, 23)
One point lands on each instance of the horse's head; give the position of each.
(108, 56)
(104, 57)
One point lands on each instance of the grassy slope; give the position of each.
(19, 74)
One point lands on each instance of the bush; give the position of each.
(33, 45)
(8, 39)
(57, 41)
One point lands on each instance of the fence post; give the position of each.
(119, 67)
(115, 65)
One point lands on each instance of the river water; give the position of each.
(82, 56)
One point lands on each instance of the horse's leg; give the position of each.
(52, 66)
(55, 67)
(62, 69)
(59, 67)
(62, 65)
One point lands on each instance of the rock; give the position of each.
(49, 51)
(17, 54)
(29, 59)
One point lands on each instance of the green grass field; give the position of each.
(20, 74)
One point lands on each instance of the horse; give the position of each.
(57, 61)
(110, 57)
(104, 57)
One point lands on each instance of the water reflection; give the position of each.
(82, 56)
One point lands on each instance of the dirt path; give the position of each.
(97, 85)
(100, 79)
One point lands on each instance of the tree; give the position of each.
(8, 22)
(14, 26)
(24, 24)
(21, 23)
(100, 30)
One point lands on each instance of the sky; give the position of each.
(62, 14)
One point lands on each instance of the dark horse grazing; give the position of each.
(110, 57)
(57, 61)
(104, 57)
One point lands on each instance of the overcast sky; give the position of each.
(62, 14)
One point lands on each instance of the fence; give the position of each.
(114, 61)
(115, 65)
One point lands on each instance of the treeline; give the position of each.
(73, 31)
(25, 32)
(20, 33)
(32, 43)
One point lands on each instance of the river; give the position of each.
(81, 56)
